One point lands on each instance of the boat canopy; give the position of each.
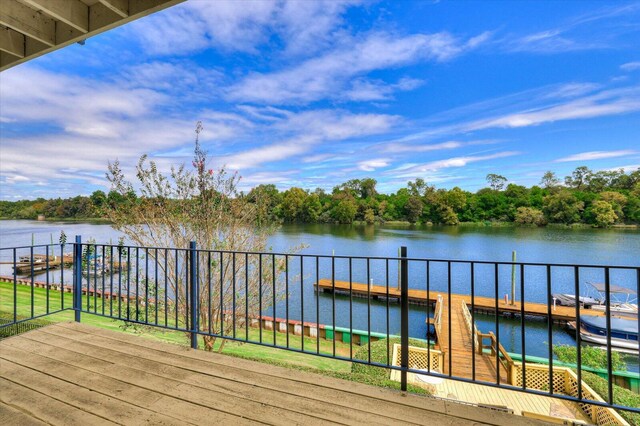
(617, 324)
(600, 287)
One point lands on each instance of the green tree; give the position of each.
(579, 178)
(496, 182)
(312, 208)
(602, 214)
(292, 206)
(549, 180)
(562, 207)
(345, 209)
(617, 200)
(413, 209)
(529, 216)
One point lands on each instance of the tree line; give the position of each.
(600, 199)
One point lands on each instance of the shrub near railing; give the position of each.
(621, 396)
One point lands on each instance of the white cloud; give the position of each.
(304, 27)
(327, 75)
(596, 155)
(371, 165)
(412, 170)
(630, 66)
(310, 128)
(608, 102)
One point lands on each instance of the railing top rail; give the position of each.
(331, 256)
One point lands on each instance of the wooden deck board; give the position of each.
(76, 374)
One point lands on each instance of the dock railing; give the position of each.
(218, 295)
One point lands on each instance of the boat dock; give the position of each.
(480, 303)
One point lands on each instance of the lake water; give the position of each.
(545, 245)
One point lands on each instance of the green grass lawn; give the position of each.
(243, 350)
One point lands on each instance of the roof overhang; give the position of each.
(31, 28)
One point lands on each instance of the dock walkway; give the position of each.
(485, 304)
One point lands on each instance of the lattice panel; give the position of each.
(565, 381)
(418, 359)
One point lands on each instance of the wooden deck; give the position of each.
(487, 304)
(76, 374)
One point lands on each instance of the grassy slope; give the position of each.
(248, 351)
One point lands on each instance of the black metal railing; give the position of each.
(328, 305)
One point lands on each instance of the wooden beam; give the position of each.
(72, 12)
(121, 7)
(28, 22)
(7, 60)
(12, 42)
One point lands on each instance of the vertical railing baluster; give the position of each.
(386, 280)
(333, 300)
(233, 293)
(497, 284)
(177, 287)
(286, 295)
(261, 323)
(32, 285)
(404, 318)
(120, 282)
(103, 272)
(449, 316)
(607, 290)
(77, 278)
(111, 280)
(428, 288)
(46, 251)
(15, 285)
(146, 285)
(193, 284)
(155, 269)
(129, 283)
(368, 310)
(95, 279)
(317, 305)
(273, 295)
(221, 309)
(302, 302)
(166, 288)
(137, 318)
(523, 330)
(550, 329)
(576, 283)
(209, 295)
(62, 265)
(473, 322)
(351, 307)
(246, 296)
(47, 275)
(88, 249)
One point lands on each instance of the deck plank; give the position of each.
(201, 389)
(132, 380)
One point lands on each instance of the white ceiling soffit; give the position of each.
(30, 28)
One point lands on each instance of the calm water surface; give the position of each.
(545, 245)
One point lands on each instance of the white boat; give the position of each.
(624, 332)
(622, 300)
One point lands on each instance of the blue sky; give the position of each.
(312, 94)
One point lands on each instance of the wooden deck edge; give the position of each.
(450, 408)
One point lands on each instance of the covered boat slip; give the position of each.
(76, 374)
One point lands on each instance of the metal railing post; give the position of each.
(193, 292)
(77, 277)
(404, 317)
